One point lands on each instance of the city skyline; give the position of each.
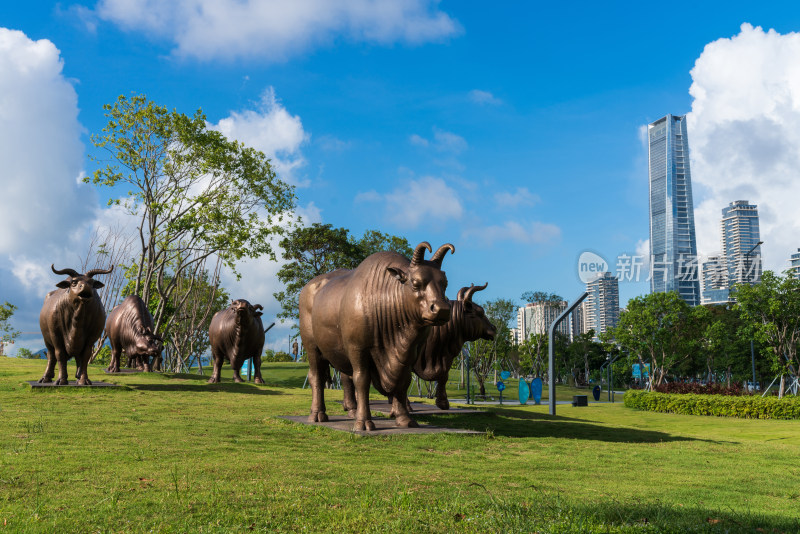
(439, 122)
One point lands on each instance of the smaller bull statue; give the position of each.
(236, 334)
(468, 322)
(130, 330)
(71, 320)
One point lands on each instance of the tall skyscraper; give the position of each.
(673, 246)
(740, 238)
(601, 307)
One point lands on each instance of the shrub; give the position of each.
(697, 388)
(103, 355)
(22, 352)
(271, 356)
(753, 407)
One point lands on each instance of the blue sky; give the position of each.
(511, 129)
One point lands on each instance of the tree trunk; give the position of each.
(782, 388)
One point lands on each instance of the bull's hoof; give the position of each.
(259, 380)
(362, 426)
(112, 370)
(213, 380)
(84, 382)
(443, 404)
(147, 369)
(237, 379)
(318, 417)
(62, 382)
(351, 413)
(46, 379)
(405, 421)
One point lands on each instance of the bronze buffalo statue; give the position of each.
(468, 322)
(130, 330)
(371, 323)
(236, 334)
(71, 320)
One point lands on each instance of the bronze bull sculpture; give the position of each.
(468, 322)
(130, 330)
(236, 334)
(371, 323)
(71, 320)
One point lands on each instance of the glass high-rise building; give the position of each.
(740, 242)
(673, 245)
(794, 264)
(601, 307)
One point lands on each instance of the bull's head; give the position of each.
(425, 283)
(148, 342)
(82, 287)
(244, 309)
(476, 324)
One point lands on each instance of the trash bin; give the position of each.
(580, 400)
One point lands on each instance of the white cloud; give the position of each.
(427, 199)
(744, 134)
(521, 197)
(484, 97)
(272, 130)
(443, 141)
(276, 30)
(530, 233)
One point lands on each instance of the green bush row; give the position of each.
(754, 407)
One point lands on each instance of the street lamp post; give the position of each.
(752, 351)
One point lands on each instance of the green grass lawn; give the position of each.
(170, 453)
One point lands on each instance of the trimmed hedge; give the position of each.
(753, 407)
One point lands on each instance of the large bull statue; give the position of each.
(468, 322)
(130, 330)
(236, 334)
(371, 323)
(71, 320)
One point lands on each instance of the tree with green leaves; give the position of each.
(536, 342)
(660, 329)
(583, 354)
(26, 353)
(772, 307)
(487, 356)
(320, 248)
(7, 333)
(195, 194)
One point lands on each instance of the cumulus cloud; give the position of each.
(271, 129)
(521, 197)
(276, 30)
(744, 134)
(529, 233)
(427, 199)
(484, 97)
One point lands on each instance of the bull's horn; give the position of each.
(473, 288)
(70, 272)
(258, 307)
(461, 292)
(439, 256)
(99, 271)
(419, 253)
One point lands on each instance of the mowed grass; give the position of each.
(170, 453)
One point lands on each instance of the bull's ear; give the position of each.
(398, 273)
(97, 284)
(64, 284)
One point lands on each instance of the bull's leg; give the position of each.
(49, 371)
(441, 394)
(362, 381)
(316, 379)
(82, 361)
(257, 369)
(63, 379)
(236, 365)
(215, 374)
(116, 354)
(349, 396)
(401, 416)
(146, 363)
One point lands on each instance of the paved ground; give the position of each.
(73, 383)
